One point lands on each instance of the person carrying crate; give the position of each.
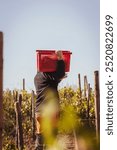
(47, 101)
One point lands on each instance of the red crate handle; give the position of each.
(50, 51)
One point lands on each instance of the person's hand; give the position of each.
(59, 55)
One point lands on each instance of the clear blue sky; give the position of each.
(49, 24)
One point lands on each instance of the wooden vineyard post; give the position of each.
(33, 115)
(20, 100)
(15, 96)
(79, 83)
(97, 103)
(85, 85)
(19, 126)
(1, 88)
(23, 84)
(88, 100)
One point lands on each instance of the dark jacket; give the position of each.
(48, 80)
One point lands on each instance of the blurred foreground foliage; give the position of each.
(73, 116)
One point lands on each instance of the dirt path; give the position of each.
(67, 141)
(64, 142)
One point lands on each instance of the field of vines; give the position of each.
(75, 112)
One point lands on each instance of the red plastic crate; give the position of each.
(46, 60)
